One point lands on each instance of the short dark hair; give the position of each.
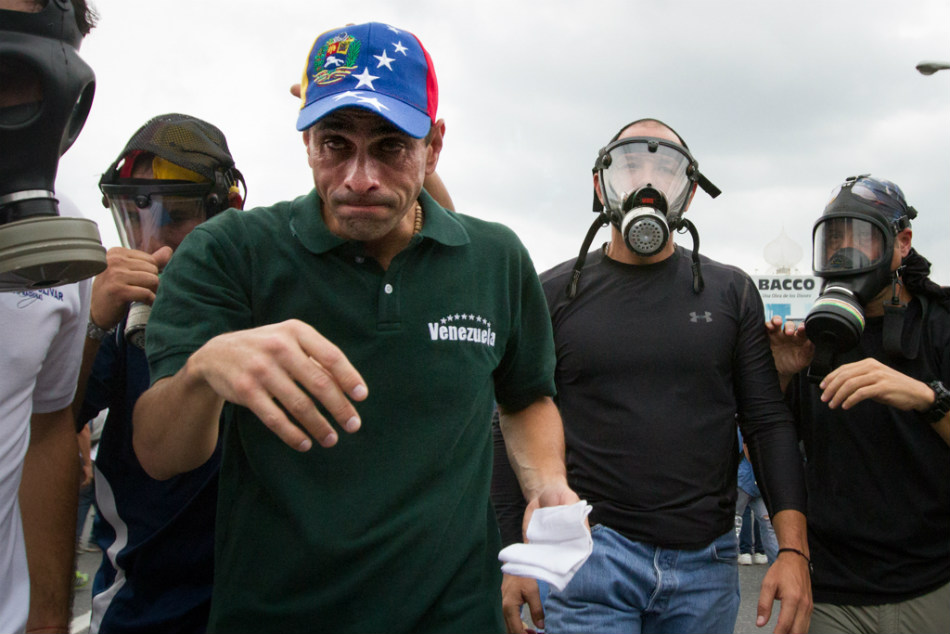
(86, 16)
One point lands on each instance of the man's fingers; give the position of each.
(536, 609)
(764, 609)
(515, 591)
(513, 622)
(332, 359)
(277, 422)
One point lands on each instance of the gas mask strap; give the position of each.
(601, 221)
(894, 314)
(698, 283)
(823, 361)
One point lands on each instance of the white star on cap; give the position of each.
(365, 79)
(344, 95)
(400, 48)
(393, 29)
(373, 101)
(384, 60)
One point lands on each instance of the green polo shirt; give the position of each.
(392, 529)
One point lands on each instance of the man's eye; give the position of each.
(392, 146)
(334, 144)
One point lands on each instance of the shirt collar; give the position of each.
(307, 226)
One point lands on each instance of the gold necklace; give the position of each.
(420, 218)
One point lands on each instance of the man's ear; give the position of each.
(597, 188)
(434, 147)
(689, 199)
(903, 242)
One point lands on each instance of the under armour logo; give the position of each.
(694, 318)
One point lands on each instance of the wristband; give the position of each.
(96, 333)
(940, 406)
(811, 569)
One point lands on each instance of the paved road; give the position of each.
(750, 578)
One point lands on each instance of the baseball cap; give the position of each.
(373, 66)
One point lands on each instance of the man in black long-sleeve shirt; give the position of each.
(658, 353)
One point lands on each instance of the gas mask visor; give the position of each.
(149, 216)
(844, 246)
(646, 184)
(628, 166)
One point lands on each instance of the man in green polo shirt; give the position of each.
(367, 307)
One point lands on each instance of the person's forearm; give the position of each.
(175, 425)
(791, 530)
(534, 438)
(48, 498)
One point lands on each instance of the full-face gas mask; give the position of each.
(46, 91)
(192, 176)
(646, 184)
(852, 250)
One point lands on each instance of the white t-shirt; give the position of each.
(41, 340)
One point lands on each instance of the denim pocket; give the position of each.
(726, 547)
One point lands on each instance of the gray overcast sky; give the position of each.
(779, 102)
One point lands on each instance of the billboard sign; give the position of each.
(789, 296)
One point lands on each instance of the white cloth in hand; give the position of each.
(559, 543)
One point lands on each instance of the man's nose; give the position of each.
(362, 173)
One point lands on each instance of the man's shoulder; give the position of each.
(480, 229)
(558, 273)
(727, 271)
(251, 226)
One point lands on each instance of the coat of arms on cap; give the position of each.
(335, 60)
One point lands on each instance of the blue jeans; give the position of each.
(769, 540)
(634, 587)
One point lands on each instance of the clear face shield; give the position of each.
(646, 184)
(149, 216)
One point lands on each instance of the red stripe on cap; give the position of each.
(129, 162)
(432, 84)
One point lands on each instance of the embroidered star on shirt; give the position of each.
(365, 79)
(384, 60)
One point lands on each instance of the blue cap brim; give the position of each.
(414, 123)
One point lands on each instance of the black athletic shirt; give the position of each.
(651, 378)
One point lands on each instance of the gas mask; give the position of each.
(852, 250)
(646, 184)
(46, 91)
